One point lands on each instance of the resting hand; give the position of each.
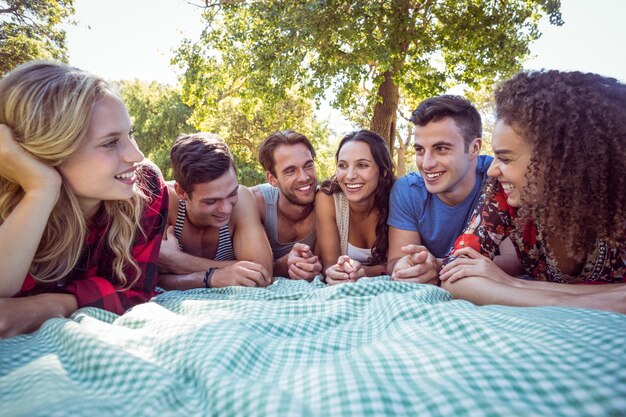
(26, 314)
(345, 270)
(417, 266)
(170, 252)
(302, 263)
(242, 273)
(470, 263)
(22, 168)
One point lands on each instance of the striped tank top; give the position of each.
(225, 250)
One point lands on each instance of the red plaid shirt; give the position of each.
(92, 281)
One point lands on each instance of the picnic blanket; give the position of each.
(372, 348)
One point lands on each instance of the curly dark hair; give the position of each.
(576, 125)
(386, 178)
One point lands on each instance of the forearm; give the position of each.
(392, 263)
(260, 254)
(326, 265)
(375, 270)
(184, 263)
(182, 282)
(576, 289)
(280, 266)
(26, 314)
(21, 234)
(483, 291)
(329, 256)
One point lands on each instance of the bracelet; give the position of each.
(207, 277)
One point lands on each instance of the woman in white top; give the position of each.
(351, 209)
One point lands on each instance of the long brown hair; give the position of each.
(386, 178)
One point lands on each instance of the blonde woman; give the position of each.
(81, 215)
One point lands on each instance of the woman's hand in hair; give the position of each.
(22, 229)
(345, 270)
(22, 168)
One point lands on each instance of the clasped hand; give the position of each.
(345, 270)
(417, 266)
(303, 263)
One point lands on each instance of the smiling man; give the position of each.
(286, 203)
(428, 210)
(212, 221)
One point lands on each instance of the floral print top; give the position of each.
(493, 220)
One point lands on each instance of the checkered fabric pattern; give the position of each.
(373, 348)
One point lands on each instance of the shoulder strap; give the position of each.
(225, 250)
(342, 214)
(180, 221)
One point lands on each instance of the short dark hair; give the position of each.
(457, 108)
(199, 157)
(273, 141)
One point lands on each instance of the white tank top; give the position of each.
(358, 254)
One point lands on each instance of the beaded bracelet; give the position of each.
(207, 277)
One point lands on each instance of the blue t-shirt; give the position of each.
(413, 208)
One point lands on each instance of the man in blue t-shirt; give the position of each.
(429, 210)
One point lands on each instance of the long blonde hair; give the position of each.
(48, 106)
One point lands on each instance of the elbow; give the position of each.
(270, 272)
(9, 290)
(463, 288)
(446, 285)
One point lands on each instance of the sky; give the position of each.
(135, 39)
(128, 39)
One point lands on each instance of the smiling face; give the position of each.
(357, 171)
(511, 161)
(103, 167)
(295, 173)
(211, 203)
(447, 169)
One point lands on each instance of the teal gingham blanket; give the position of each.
(372, 348)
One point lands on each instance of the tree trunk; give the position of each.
(401, 164)
(384, 118)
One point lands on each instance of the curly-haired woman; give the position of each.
(559, 192)
(81, 215)
(351, 209)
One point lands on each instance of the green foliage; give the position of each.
(263, 49)
(159, 116)
(244, 122)
(29, 30)
(482, 98)
(241, 116)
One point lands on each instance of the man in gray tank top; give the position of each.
(285, 203)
